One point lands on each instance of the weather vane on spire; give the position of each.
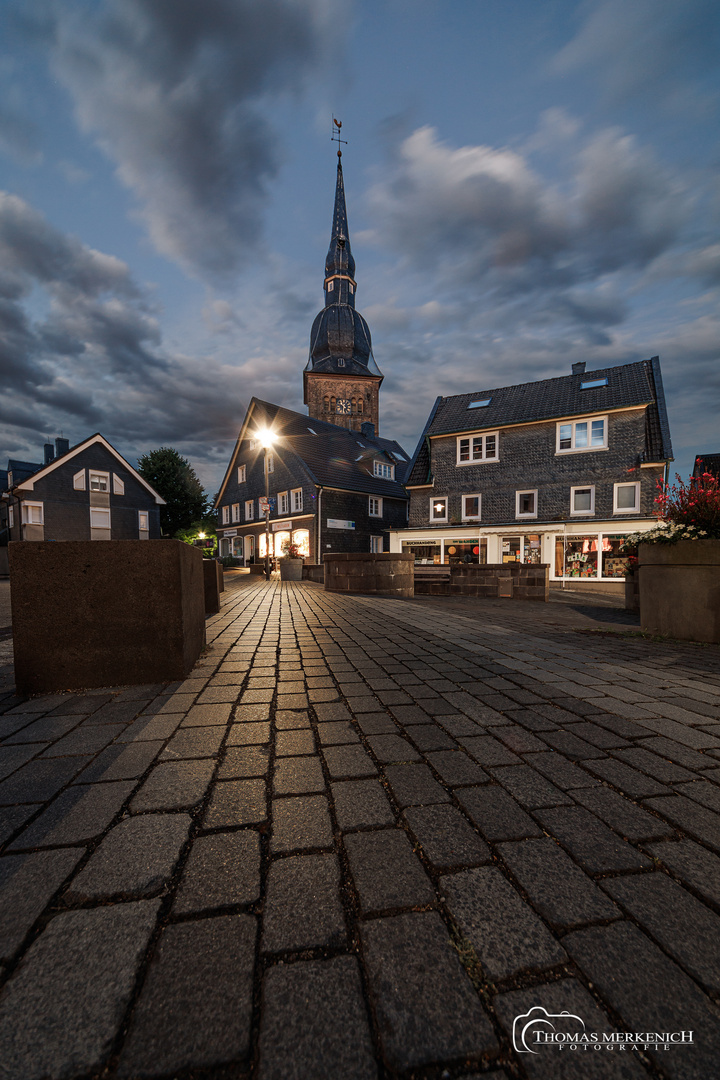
(335, 137)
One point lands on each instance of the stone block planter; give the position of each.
(386, 574)
(291, 569)
(632, 591)
(680, 589)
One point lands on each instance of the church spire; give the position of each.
(339, 265)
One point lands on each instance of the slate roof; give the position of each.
(333, 456)
(21, 469)
(638, 383)
(3, 480)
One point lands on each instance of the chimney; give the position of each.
(579, 369)
(367, 429)
(61, 446)
(49, 452)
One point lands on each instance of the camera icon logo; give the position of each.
(535, 1019)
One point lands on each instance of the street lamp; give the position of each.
(267, 440)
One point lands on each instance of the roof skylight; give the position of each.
(593, 383)
(479, 404)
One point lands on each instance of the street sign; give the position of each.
(267, 505)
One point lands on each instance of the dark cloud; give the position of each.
(178, 93)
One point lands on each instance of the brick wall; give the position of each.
(320, 386)
(528, 582)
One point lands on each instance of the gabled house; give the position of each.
(84, 492)
(332, 489)
(557, 471)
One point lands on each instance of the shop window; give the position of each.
(297, 499)
(474, 448)
(576, 556)
(99, 481)
(582, 500)
(242, 474)
(614, 564)
(626, 498)
(526, 504)
(581, 435)
(426, 552)
(511, 547)
(249, 510)
(459, 552)
(374, 506)
(280, 542)
(471, 507)
(301, 537)
(79, 480)
(438, 510)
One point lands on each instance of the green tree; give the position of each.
(174, 478)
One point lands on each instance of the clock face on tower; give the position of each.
(343, 405)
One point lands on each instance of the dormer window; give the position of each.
(380, 468)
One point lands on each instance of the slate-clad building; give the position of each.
(334, 489)
(84, 492)
(556, 471)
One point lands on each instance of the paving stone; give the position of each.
(488, 750)
(13, 818)
(119, 712)
(207, 715)
(360, 804)
(518, 740)
(78, 814)
(292, 701)
(621, 814)
(258, 697)
(409, 714)
(331, 711)
(496, 814)
(11, 723)
(504, 931)
(121, 762)
(348, 761)
(249, 734)
(376, 724)
(694, 865)
(84, 704)
(666, 772)
(84, 740)
(591, 843)
(294, 743)
(219, 694)
(174, 785)
(302, 904)
(236, 802)
(13, 757)
(682, 926)
(530, 788)
(337, 733)
(300, 823)
(392, 748)
(698, 821)
(222, 870)
(560, 772)
(446, 838)
(298, 776)
(599, 736)
(62, 1009)
(251, 714)
(422, 1018)
(431, 737)
(40, 780)
(195, 1008)
(650, 993)
(456, 768)
(703, 792)
(150, 728)
(244, 761)
(46, 729)
(386, 872)
(27, 884)
(194, 743)
(628, 780)
(574, 748)
(414, 785)
(568, 996)
(461, 727)
(314, 1023)
(558, 889)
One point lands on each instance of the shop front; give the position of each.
(450, 551)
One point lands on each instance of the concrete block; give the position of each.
(89, 614)
(389, 574)
(680, 589)
(214, 585)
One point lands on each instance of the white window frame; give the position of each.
(250, 510)
(242, 474)
(626, 509)
(472, 517)
(438, 520)
(100, 475)
(11, 517)
(375, 506)
(252, 444)
(519, 515)
(26, 507)
(381, 468)
(235, 512)
(143, 521)
(283, 503)
(582, 513)
(79, 481)
(572, 424)
(376, 545)
(296, 500)
(471, 439)
(331, 285)
(118, 485)
(104, 511)
(226, 515)
(270, 463)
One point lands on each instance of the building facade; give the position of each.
(557, 471)
(84, 492)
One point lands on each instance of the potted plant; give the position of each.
(291, 562)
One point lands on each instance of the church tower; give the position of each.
(341, 380)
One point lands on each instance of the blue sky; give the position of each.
(529, 184)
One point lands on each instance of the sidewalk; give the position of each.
(360, 840)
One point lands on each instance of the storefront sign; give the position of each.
(230, 532)
(276, 526)
(336, 523)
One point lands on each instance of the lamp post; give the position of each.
(267, 440)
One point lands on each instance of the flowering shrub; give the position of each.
(290, 550)
(688, 511)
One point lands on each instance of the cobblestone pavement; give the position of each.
(357, 842)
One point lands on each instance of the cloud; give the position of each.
(177, 93)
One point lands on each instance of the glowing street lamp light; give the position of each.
(267, 441)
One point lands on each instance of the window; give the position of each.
(99, 518)
(593, 383)
(252, 444)
(582, 500)
(242, 474)
(474, 448)
(283, 505)
(249, 510)
(351, 287)
(296, 497)
(79, 480)
(526, 504)
(99, 481)
(438, 510)
(376, 545)
(479, 404)
(143, 522)
(471, 505)
(626, 498)
(11, 517)
(331, 286)
(118, 485)
(236, 512)
(32, 513)
(271, 463)
(381, 469)
(226, 515)
(375, 507)
(582, 435)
